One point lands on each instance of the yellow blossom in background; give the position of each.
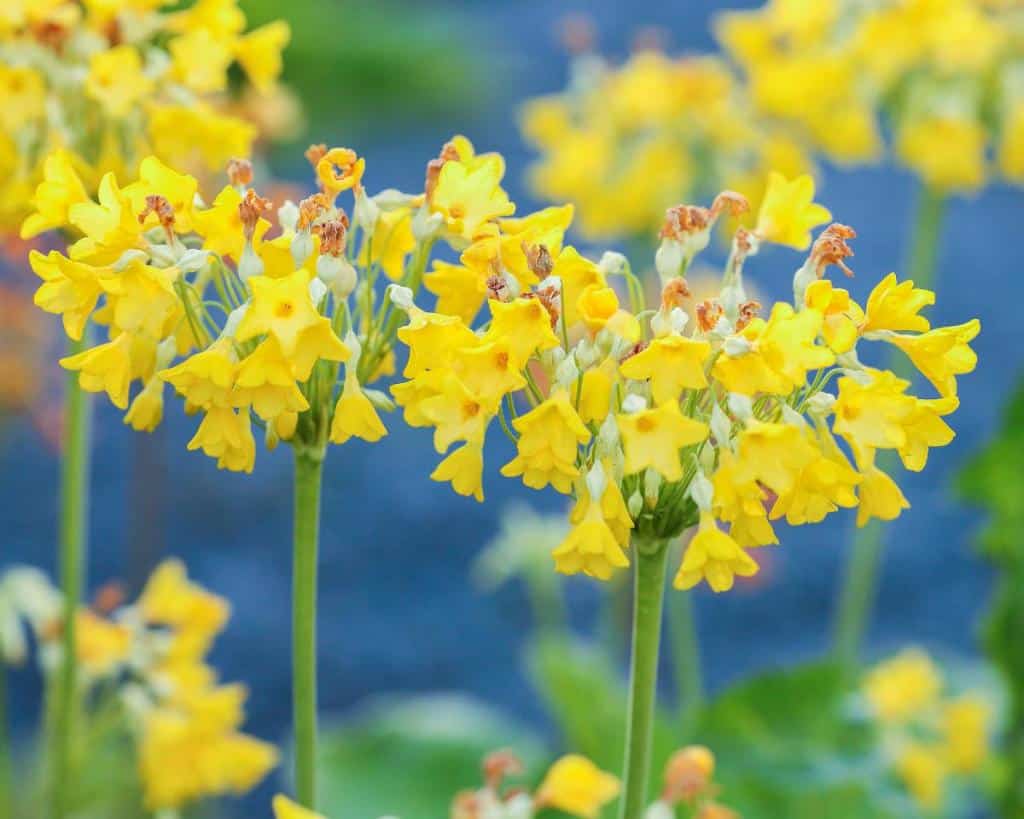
(788, 211)
(902, 687)
(577, 786)
(940, 76)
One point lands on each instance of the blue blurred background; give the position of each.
(398, 611)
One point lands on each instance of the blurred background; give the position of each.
(400, 611)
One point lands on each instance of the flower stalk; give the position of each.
(308, 473)
(685, 659)
(74, 494)
(648, 599)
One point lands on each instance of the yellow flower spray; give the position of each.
(944, 78)
(90, 89)
(655, 422)
(278, 325)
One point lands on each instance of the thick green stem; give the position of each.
(74, 495)
(649, 594)
(308, 471)
(861, 580)
(685, 659)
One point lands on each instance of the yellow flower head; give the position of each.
(354, 414)
(576, 786)
(788, 211)
(672, 363)
(713, 556)
(901, 688)
(117, 80)
(652, 439)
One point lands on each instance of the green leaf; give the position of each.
(409, 756)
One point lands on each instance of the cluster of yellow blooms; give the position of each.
(654, 423)
(946, 77)
(623, 143)
(930, 736)
(110, 81)
(152, 655)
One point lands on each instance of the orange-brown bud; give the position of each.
(831, 247)
(465, 805)
(314, 153)
(498, 765)
(735, 204)
(108, 597)
(708, 314)
(164, 213)
(748, 312)
(333, 236)
(682, 220)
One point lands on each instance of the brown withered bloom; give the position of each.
(549, 298)
(497, 288)
(831, 247)
(108, 597)
(239, 172)
(636, 349)
(748, 312)
(310, 209)
(538, 259)
(250, 209)
(333, 235)
(709, 312)
(731, 202)
(314, 153)
(682, 220)
(688, 774)
(498, 765)
(675, 293)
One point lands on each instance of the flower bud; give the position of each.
(426, 225)
(393, 199)
(379, 399)
(659, 810)
(302, 247)
(338, 274)
(366, 212)
(317, 290)
(688, 774)
(607, 437)
(635, 504)
(612, 263)
(740, 406)
(567, 372)
(234, 319)
(792, 417)
(634, 403)
(400, 296)
(597, 481)
(701, 492)
(665, 323)
(129, 258)
(721, 426)
(821, 403)
(288, 216)
(652, 487)
(192, 260)
(250, 264)
(735, 346)
(669, 258)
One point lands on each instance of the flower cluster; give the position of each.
(946, 77)
(573, 785)
(654, 421)
(624, 142)
(262, 315)
(110, 82)
(148, 659)
(932, 738)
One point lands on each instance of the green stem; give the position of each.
(6, 752)
(308, 472)
(860, 584)
(685, 659)
(649, 594)
(74, 495)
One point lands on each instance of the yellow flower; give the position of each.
(903, 687)
(433, 340)
(596, 305)
(788, 211)
(226, 435)
(525, 324)
(895, 306)
(284, 309)
(264, 381)
(60, 189)
(470, 196)
(925, 428)
(590, 547)
(100, 645)
(259, 53)
(196, 615)
(948, 153)
(141, 299)
(941, 354)
(178, 189)
(117, 80)
(391, 242)
(965, 729)
(200, 61)
(775, 454)
(147, 410)
(457, 412)
(787, 346)
(184, 134)
(841, 315)
(284, 808)
(24, 92)
(110, 225)
(188, 753)
(825, 484)
(740, 502)
(549, 437)
(576, 273)
(672, 363)
(206, 379)
(878, 496)
(613, 509)
(354, 414)
(105, 368)
(713, 556)
(596, 392)
(489, 370)
(460, 290)
(69, 289)
(876, 413)
(464, 469)
(923, 771)
(652, 438)
(577, 786)
(340, 169)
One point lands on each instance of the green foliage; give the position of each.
(408, 756)
(994, 481)
(354, 63)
